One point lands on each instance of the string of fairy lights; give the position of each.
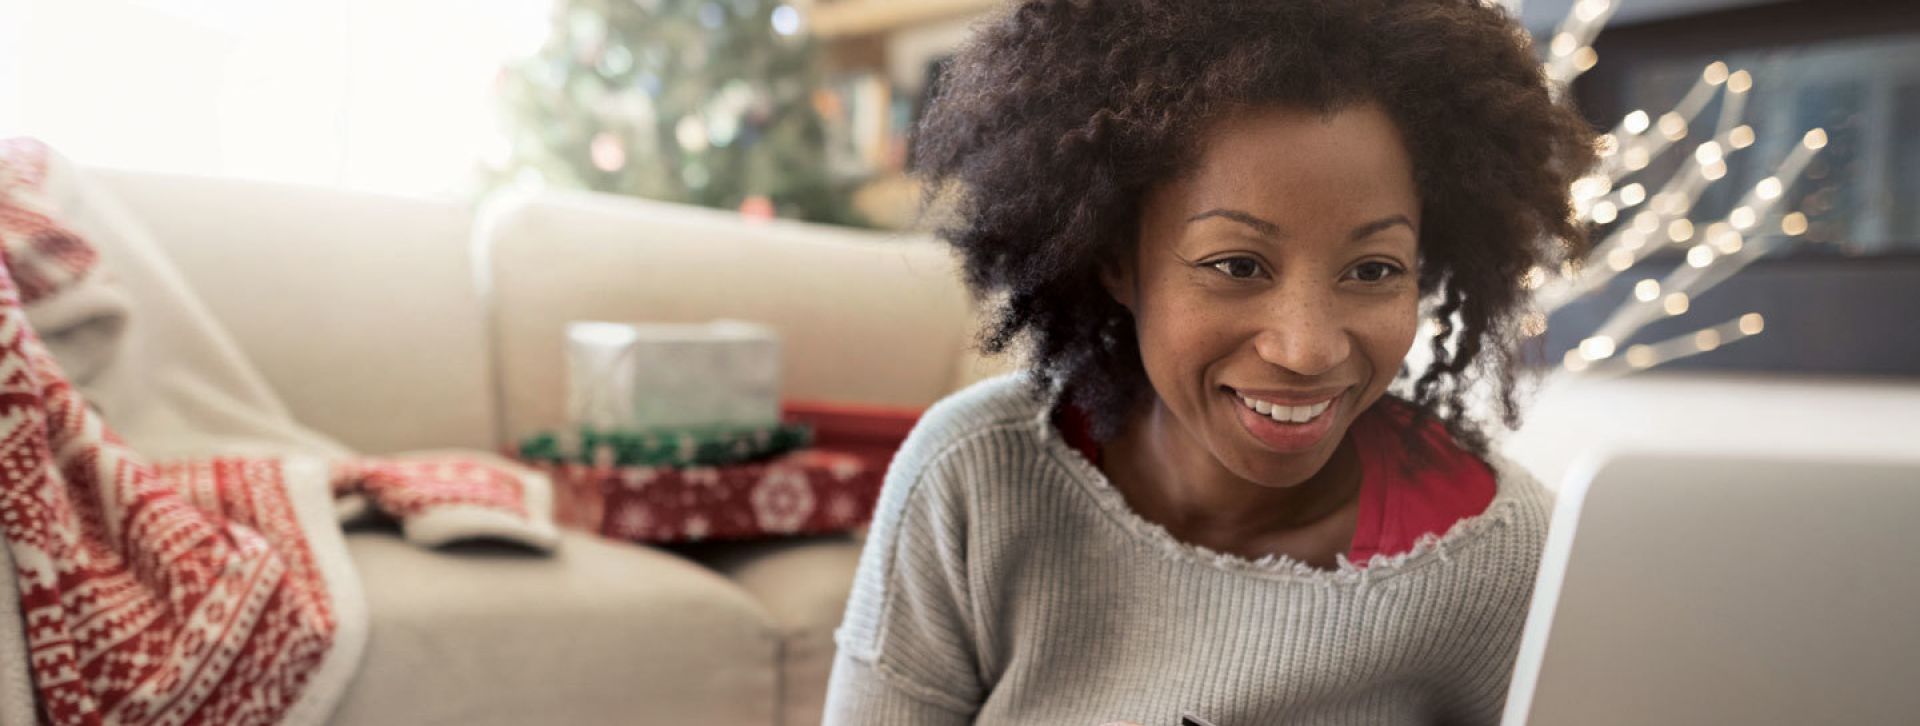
(1642, 221)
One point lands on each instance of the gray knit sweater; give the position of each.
(1005, 581)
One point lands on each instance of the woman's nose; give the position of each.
(1303, 333)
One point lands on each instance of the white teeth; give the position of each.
(1286, 414)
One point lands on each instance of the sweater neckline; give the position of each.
(1428, 550)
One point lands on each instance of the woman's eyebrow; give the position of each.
(1380, 225)
(1269, 229)
(1264, 227)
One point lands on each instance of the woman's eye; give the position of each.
(1375, 271)
(1238, 268)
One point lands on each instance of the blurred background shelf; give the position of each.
(882, 59)
(839, 19)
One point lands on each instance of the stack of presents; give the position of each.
(678, 434)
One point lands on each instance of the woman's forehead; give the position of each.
(1278, 170)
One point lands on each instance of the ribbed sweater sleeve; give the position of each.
(907, 641)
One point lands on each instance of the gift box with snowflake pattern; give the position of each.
(809, 491)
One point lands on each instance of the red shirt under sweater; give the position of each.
(1399, 502)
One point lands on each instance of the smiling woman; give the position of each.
(1214, 232)
(1269, 321)
(1293, 288)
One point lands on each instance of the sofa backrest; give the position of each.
(369, 314)
(864, 317)
(359, 309)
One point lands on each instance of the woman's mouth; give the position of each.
(1286, 414)
(1289, 426)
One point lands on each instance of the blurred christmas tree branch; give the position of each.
(707, 102)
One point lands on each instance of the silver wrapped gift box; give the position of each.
(641, 376)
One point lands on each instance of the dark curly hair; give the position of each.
(1059, 115)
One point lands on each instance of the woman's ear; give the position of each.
(1117, 276)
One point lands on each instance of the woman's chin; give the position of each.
(1280, 455)
(1279, 471)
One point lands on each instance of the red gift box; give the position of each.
(806, 492)
(871, 432)
(822, 490)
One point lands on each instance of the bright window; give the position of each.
(380, 95)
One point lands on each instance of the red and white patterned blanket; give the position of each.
(213, 590)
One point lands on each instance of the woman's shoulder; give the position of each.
(956, 460)
(1520, 515)
(1523, 489)
(1007, 404)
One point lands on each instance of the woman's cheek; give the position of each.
(1389, 332)
(1183, 315)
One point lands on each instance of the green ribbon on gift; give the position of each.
(671, 447)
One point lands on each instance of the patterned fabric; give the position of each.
(403, 489)
(806, 492)
(145, 601)
(47, 256)
(212, 590)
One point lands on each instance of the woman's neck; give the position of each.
(1171, 478)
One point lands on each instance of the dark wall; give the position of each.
(1834, 315)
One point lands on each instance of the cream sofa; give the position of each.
(397, 324)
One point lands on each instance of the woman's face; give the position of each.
(1274, 286)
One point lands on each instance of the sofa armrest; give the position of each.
(864, 317)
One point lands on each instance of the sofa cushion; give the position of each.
(601, 632)
(864, 317)
(803, 585)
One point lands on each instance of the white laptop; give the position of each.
(1693, 590)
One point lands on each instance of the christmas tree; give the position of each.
(699, 101)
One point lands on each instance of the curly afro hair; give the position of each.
(1059, 115)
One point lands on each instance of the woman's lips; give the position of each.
(1290, 397)
(1287, 437)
